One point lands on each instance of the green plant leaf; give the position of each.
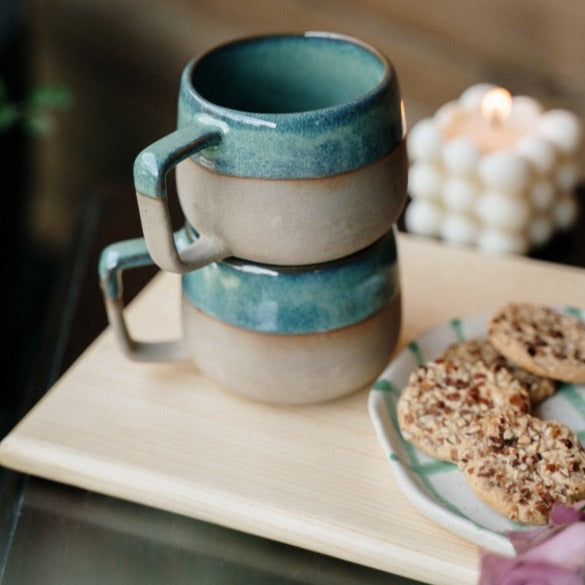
(39, 124)
(50, 97)
(9, 115)
(33, 112)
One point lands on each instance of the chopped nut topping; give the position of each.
(542, 463)
(541, 340)
(538, 387)
(442, 399)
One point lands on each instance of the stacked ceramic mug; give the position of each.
(291, 172)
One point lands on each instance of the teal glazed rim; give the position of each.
(296, 300)
(364, 122)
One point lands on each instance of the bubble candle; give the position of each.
(493, 171)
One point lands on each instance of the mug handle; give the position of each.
(150, 169)
(114, 259)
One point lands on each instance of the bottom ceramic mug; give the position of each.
(286, 335)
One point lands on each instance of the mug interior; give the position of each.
(287, 74)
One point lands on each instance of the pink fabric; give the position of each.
(551, 555)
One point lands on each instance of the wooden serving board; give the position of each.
(313, 476)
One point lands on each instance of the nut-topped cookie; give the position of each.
(520, 465)
(540, 340)
(442, 398)
(538, 387)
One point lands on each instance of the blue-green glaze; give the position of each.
(118, 257)
(153, 163)
(277, 299)
(286, 106)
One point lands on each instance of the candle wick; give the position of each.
(496, 121)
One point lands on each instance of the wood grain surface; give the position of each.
(164, 436)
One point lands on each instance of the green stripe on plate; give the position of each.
(428, 467)
(416, 352)
(457, 327)
(573, 396)
(574, 311)
(382, 385)
(423, 470)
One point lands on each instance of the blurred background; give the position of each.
(119, 62)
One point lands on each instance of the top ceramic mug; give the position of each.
(289, 150)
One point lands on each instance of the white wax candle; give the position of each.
(489, 166)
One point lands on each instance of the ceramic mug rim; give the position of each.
(296, 300)
(389, 77)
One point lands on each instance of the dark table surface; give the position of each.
(53, 533)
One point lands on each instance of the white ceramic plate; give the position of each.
(438, 489)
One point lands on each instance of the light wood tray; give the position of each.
(316, 477)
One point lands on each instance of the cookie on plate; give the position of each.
(442, 398)
(539, 388)
(520, 465)
(540, 340)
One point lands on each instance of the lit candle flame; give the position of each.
(496, 105)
